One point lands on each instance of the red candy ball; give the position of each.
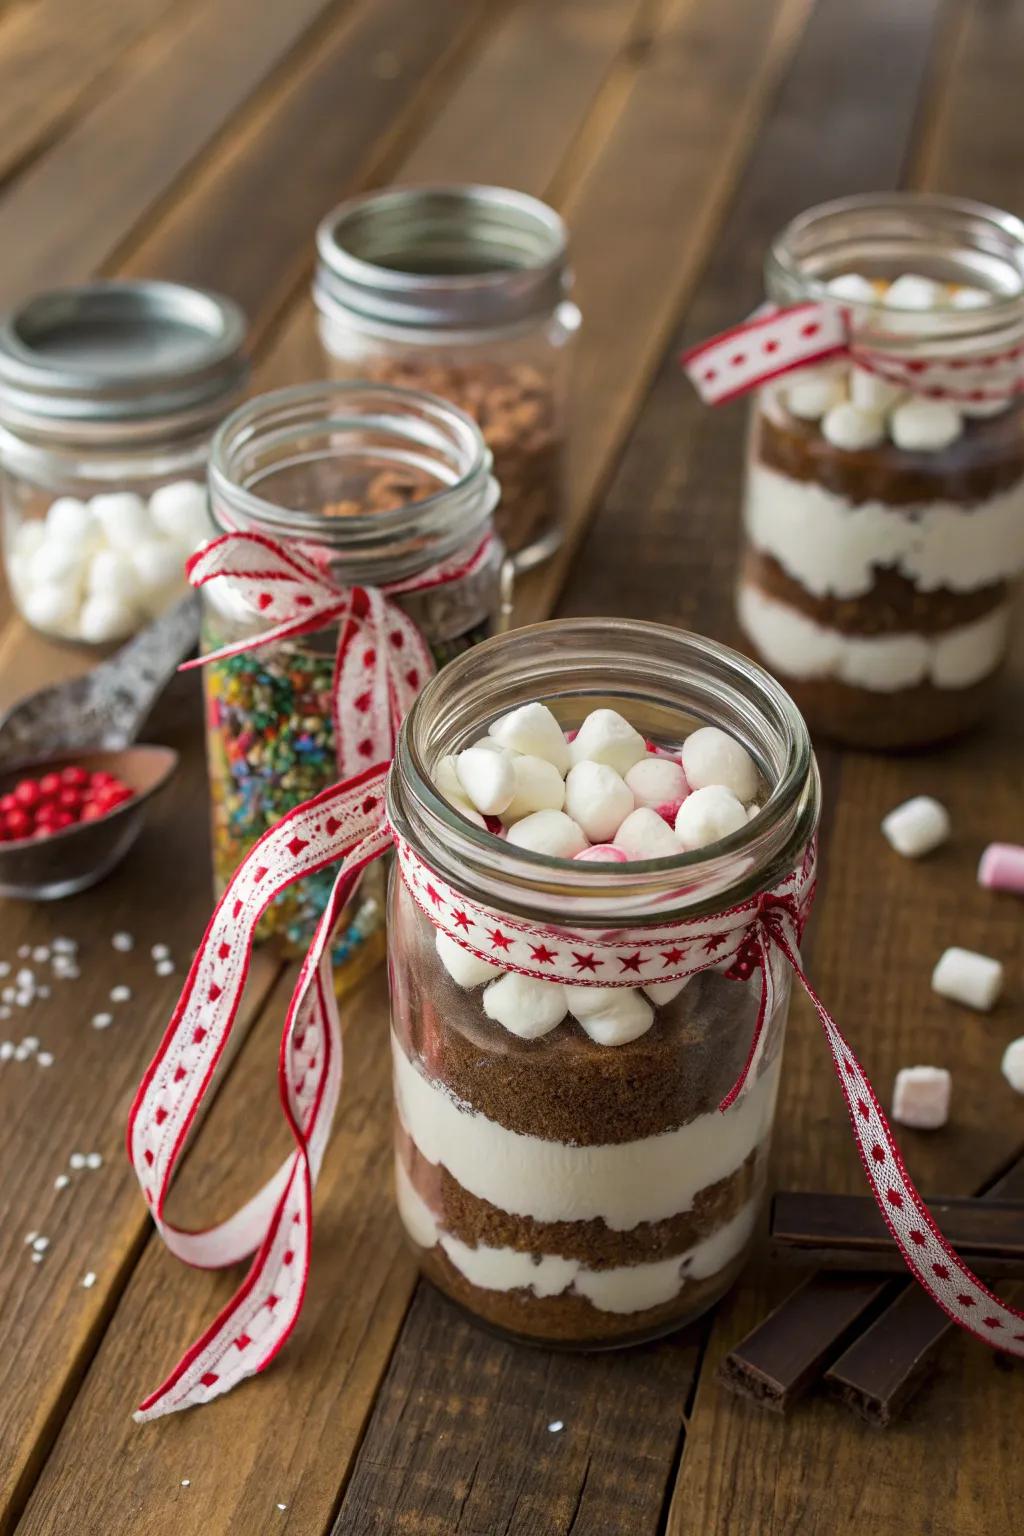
(59, 799)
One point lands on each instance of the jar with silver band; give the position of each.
(109, 397)
(462, 291)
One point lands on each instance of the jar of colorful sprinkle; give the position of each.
(376, 485)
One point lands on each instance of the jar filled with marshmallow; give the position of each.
(378, 488)
(109, 396)
(884, 502)
(587, 813)
(462, 291)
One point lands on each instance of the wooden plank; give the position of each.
(50, 71)
(160, 894)
(134, 144)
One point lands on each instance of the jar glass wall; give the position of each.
(561, 1189)
(885, 529)
(377, 485)
(461, 291)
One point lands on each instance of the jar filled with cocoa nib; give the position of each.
(375, 491)
(884, 503)
(462, 291)
(586, 1048)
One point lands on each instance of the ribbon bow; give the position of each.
(775, 341)
(382, 660)
(348, 823)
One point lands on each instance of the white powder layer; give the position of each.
(833, 546)
(796, 646)
(622, 1183)
(623, 1289)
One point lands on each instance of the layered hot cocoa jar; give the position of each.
(602, 801)
(384, 494)
(884, 503)
(462, 291)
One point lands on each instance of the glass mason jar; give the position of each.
(379, 484)
(461, 291)
(563, 1190)
(885, 532)
(109, 395)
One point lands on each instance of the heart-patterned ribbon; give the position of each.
(382, 659)
(347, 825)
(775, 341)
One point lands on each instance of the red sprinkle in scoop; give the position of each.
(40, 807)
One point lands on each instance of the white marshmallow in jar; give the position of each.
(597, 797)
(109, 397)
(884, 525)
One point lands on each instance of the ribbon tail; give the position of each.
(930, 1258)
(764, 347)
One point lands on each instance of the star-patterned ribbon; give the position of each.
(382, 659)
(775, 341)
(347, 825)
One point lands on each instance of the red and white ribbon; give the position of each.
(382, 659)
(347, 823)
(776, 341)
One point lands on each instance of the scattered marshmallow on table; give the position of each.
(533, 729)
(1002, 868)
(658, 783)
(969, 978)
(488, 779)
(525, 1007)
(917, 826)
(1013, 1065)
(550, 832)
(465, 969)
(707, 815)
(921, 1097)
(605, 737)
(610, 1015)
(538, 787)
(598, 799)
(712, 756)
(646, 835)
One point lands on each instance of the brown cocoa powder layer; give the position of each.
(892, 606)
(986, 459)
(593, 1243)
(569, 1320)
(564, 1087)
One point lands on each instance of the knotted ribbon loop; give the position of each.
(347, 823)
(775, 341)
(382, 659)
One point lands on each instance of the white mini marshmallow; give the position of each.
(488, 744)
(610, 1015)
(1013, 1065)
(525, 1007)
(920, 1097)
(539, 787)
(854, 287)
(53, 606)
(112, 575)
(925, 426)
(487, 778)
(814, 393)
(969, 298)
(644, 835)
(597, 799)
(158, 564)
(466, 970)
(56, 559)
(605, 737)
(181, 512)
(550, 832)
(657, 781)
(849, 427)
(917, 826)
(28, 537)
(533, 729)
(446, 782)
(914, 292)
(871, 393)
(124, 518)
(662, 992)
(69, 519)
(969, 978)
(707, 815)
(105, 618)
(712, 756)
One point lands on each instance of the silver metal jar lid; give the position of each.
(459, 257)
(138, 356)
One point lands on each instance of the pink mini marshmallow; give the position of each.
(1002, 868)
(602, 853)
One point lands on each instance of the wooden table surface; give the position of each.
(201, 140)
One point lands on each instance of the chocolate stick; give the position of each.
(848, 1232)
(880, 1372)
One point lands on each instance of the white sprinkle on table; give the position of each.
(123, 942)
(93, 1160)
(64, 946)
(5, 1011)
(22, 1053)
(282, 1506)
(37, 1258)
(61, 1181)
(25, 979)
(30, 1237)
(41, 954)
(24, 950)
(186, 1482)
(6, 1050)
(88, 1281)
(45, 1058)
(102, 1020)
(5, 968)
(120, 994)
(31, 1042)
(160, 952)
(77, 1160)
(40, 1244)
(165, 967)
(555, 1426)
